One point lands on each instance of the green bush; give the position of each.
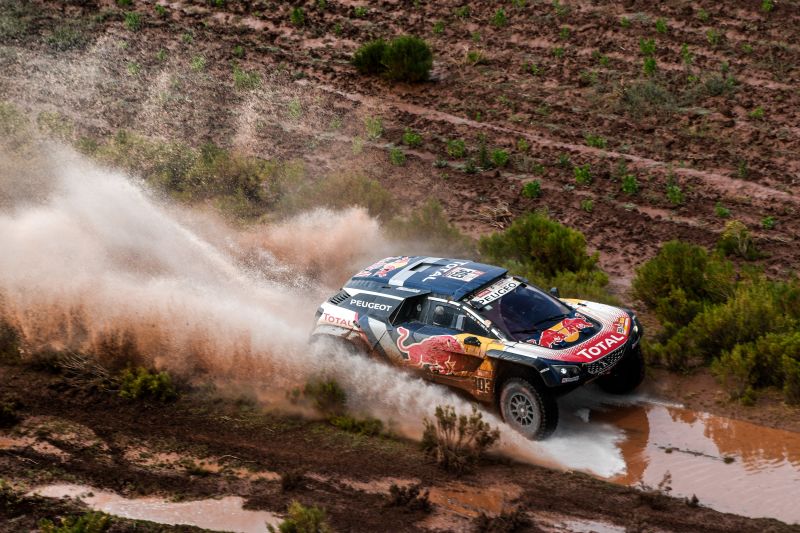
(456, 148)
(397, 156)
(646, 98)
(548, 254)
(341, 191)
(791, 386)
(411, 138)
(142, 384)
(499, 158)
(583, 174)
(297, 17)
(368, 59)
(429, 224)
(9, 343)
(133, 21)
(366, 426)
(93, 522)
(532, 189)
(736, 240)
(756, 308)
(457, 441)
(9, 412)
(630, 185)
(680, 280)
(302, 519)
(327, 395)
(408, 58)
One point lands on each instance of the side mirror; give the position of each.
(472, 341)
(554, 292)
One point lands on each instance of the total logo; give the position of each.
(603, 347)
(370, 305)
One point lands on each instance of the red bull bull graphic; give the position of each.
(384, 267)
(568, 330)
(435, 354)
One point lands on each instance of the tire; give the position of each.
(528, 409)
(624, 377)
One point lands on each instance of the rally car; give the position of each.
(497, 337)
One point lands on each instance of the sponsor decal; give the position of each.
(496, 290)
(622, 324)
(434, 354)
(570, 380)
(445, 269)
(568, 330)
(383, 267)
(328, 318)
(462, 274)
(603, 347)
(370, 305)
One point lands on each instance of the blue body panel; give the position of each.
(452, 278)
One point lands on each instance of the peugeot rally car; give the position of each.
(473, 327)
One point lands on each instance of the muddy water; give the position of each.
(225, 514)
(731, 466)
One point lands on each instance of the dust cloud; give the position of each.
(93, 261)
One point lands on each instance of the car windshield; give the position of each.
(523, 310)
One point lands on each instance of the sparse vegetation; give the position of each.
(411, 138)
(583, 174)
(736, 240)
(132, 21)
(92, 522)
(661, 26)
(457, 441)
(297, 17)
(674, 193)
(595, 141)
(302, 519)
(410, 497)
(587, 204)
(245, 80)
(456, 148)
(374, 127)
(397, 156)
(768, 222)
(327, 396)
(499, 157)
(630, 185)
(721, 211)
(499, 18)
(405, 58)
(143, 384)
(532, 189)
(505, 522)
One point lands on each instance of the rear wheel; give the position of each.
(624, 377)
(530, 410)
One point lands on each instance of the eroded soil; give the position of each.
(200, 447)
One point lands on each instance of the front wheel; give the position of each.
(528, 409)
(624, 377)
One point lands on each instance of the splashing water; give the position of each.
(95, 253)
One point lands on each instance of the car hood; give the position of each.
(591, 331)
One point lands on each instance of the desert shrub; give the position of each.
(791, 385)
(539, 244)
(397, 157)
(368, 59)
(411, 138)
(9, 342)
(361, 426)
(630, 185)
(297, 17)
(736, 240)
(675, 194)
(374, 127)
(499, 158)
(456, 148)
(340, 191)
(646, 98)
(142, 384)
(429, 224)
(92, 522)
(457, 441)
(408, 58)
(548, 254)
(647, 47)
(327, 396)
(302, 519)
(532, 189)
(67, 37)
(9, 411)
(505, 522)
(132, 21)
(245, 80)
(757, 307)
(292, 480)
(768, 222)
(649, 66)
(680, 280)
(583, 174)
(411, 497)
(721, 211)
(595, 141)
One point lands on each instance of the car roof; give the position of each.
(453, 278)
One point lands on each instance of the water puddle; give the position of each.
(556, 523)
(225, 514)
(730, 465)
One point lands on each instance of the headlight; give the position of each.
(567, 371)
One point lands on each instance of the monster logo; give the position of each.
(433, 354)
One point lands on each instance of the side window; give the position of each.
(412, 310)
(470, 325)
(441, 315)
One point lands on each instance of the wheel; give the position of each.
(624, 377)
(530, 410)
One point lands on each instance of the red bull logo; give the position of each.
(383, 267)
(568, 330)
(434, 353)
